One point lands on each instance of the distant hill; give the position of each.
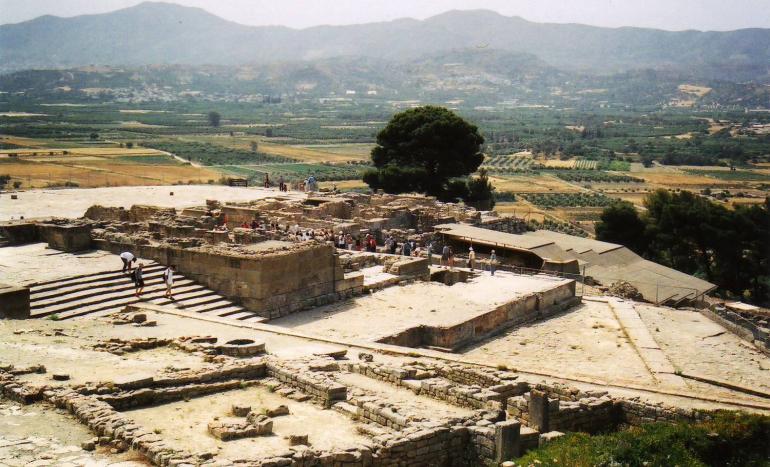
(161, 33)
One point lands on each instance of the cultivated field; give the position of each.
(532, 184)
(300, 153)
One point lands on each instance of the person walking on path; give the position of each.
(138, 277)
(168, 279)
(444, 256)
(128, 259)
(492, 262)
(406, 250)
(471, 258)
(429, 247)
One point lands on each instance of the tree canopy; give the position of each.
(695, 235)
(422, 150)
(214, 118)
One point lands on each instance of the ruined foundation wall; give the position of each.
(747, 329)
(521, 310)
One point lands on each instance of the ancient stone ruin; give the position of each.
(299, 336)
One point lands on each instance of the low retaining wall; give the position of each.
(61, 235)
(522, 310)
(325, 390)
(740, 326)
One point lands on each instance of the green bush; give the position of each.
(729, 439)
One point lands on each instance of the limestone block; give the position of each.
(277, 411)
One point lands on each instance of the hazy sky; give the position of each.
(664, 14)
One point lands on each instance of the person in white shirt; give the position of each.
(168, 279)
(128, 259)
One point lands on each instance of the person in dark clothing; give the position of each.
(138, 277)
(406, 249)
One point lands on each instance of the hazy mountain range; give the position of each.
(162, 33)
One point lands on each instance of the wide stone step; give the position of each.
(37, 294)
(224, 311)
(182, 297)
(241, 316)
(255, 319)
(100, 299)
(97, 292)
(111, 306)
(88, 278)
(215, 303)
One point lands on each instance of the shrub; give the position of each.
(729, 438)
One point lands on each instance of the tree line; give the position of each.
(730, 248)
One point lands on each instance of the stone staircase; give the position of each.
(101, 293)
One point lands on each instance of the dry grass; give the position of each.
(699, 91)
(103, 152)
(732, 202)
(532, 184)
(344, 184)
(681, 180)
(558, 164)
(520, 209)
(102, 173)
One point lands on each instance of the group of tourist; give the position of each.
(137, 274)
(281, 183)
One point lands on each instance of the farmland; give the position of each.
(553, 200)
(592, 177)
(295, 171)
(579, 161)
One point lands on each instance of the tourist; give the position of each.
(267, 180)
(168, 279)
(471, 258)
(349, 242)
(451, 258)
(406, 250)
(138, 278)
(254, 224)
(281, 184)
(444, 256)
(128, 259)
(429, 247)
(341, 241)
(388, 243)
(492, 262)
(245, 225)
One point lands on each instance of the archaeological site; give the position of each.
(177, 326)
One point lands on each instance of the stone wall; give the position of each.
(270, 283)
(66, 237)
(564, 408)
(314, 384)
(750, 328)
(137, 213)
(589, 415)
(19, 232)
